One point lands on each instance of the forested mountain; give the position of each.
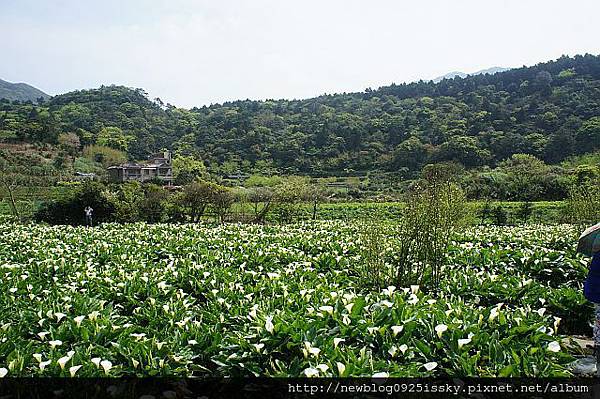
(550, 110)
(20, 92)
(454, 74)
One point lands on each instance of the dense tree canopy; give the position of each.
(551, 111)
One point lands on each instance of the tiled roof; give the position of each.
(140, 166)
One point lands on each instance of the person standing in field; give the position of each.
(88, 215)
(591, 291)
(589, 245)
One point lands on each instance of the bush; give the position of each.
(262, 200)
(221, 199)
(187, 169)
(126, 199)
(499, 215)
(525, 211)
(289, 195)
(153, 207)
(373, 269)
(485, 212)
(433, 211)
(583, 204)
(123, 203)
(200, 195)
(70, 209)
(104, 155)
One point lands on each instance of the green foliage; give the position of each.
(525, 211)
(86, 165)
(547, 110)
(123, 203)
(187, 169)
(522, 177)
(126, 201)
(250, 300)
(154, 206)
(588, 136)
(587, 174)
(499, 215)
(70, 208)
(411, 154)
(69, 142)
(433, 211)
(583, 160)
(104, 155)
(262, 200)
(114, 137)
(200, 196)
(373, 269)
(567, 73)
(289, 196)
(221, 199)
(262, 181)
(463, 149)
(485, 211)
(583, 204)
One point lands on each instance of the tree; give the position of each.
(70, 208)
(500, 216)
(315, 194)
(70, 142)
(588, 136)
(153, 207)
(187, 169)
(104, 155)
(289, 195)
(485, 211)
(221, 199)
(195, 199)
(526, 177)
(463, 149)
(9, 182)
(443, 171)
(434, 210)
(411, 153)
(525, 211)
(126, 202)
(114, 137)
(477, 121)
(262, 200)
(583, 204)
(200, 195)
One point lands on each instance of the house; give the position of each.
(159, 166)
(82, 176)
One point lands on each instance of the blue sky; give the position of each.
(195, 52)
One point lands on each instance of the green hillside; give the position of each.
(20, 92)
(550, 110)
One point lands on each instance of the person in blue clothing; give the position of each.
(591, 291)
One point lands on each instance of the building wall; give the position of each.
(144, 173)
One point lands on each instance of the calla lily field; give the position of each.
(255, 300)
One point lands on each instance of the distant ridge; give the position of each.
(453, 74)
(20, 91)
(549, 110)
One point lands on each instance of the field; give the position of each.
(242, 300)
(542, 211)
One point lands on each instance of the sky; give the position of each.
(195, 52)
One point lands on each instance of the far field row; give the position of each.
(511, 213)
